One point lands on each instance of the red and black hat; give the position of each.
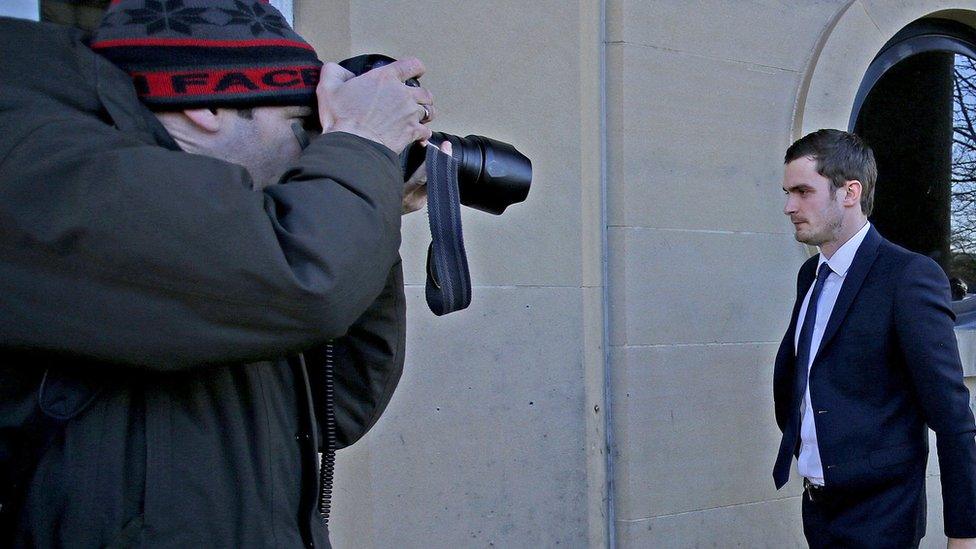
(208, 53)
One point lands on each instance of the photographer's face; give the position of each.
(262, 140)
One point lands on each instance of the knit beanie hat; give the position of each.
(185, 54)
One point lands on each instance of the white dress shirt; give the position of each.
(809, 464)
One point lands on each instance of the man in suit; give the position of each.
(869, 362)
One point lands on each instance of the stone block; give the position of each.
(768, 524)
(484, 441)
(482, 84)
(775, 34)
(829, 98)
(696, 143)
(687, 287)
(934, 529)
(890, 16)
(694, 428)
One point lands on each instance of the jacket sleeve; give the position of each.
(924, 323)
(138, 255)
(367, 363)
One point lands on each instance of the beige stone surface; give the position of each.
(775, 34)
(685, 287)
(696, 142)
(595, 410)
(537, 242)
(325, 25)
(592, 122)
(848, 51)
(484, 440)
(482, 85)
(764, 525)
(532, 243)
(935, 534)
(966, 339)
(694, 428)
(890, 16)
(488, 78)
(351, 521)
(773, 524)
(934, 530)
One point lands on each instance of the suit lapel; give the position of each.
(860, 267)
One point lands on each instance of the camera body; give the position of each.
(492, 175)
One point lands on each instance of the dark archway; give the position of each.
(916, 107)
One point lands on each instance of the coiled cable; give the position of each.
(327, 459)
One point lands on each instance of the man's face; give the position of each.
(265, 143)
(812, 203)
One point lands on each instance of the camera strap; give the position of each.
(448, 280)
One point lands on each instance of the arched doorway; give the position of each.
(916, 107)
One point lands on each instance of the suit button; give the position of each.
(303, 437)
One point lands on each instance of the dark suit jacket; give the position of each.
(886, 369)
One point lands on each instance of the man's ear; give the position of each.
(208, 120)
(852, 196)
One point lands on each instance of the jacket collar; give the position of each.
(863, 260)
(118, 96)
(843, 257)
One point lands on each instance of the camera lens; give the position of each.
(492, 175)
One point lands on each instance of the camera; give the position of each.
(492, 175)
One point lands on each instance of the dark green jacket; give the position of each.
(153, 308)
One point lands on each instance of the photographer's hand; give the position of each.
(376, 105)
(415, 189)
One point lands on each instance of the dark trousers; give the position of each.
(891, 516)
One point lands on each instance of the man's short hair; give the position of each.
(840, 157)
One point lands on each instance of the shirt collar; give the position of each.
(841, 261)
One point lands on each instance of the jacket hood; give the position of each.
(48, 70)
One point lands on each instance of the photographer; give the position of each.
(178, 282)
